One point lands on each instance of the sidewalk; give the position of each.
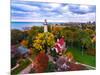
(88, 66)
(26, 70)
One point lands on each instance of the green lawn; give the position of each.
(23, 65)
(85, 59)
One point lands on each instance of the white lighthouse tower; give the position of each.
(45, 26)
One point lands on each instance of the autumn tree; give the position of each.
(84, 39)
(40, 62)
(16, 36)
(43, 41)
(33, 32)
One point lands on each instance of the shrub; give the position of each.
(53, 53)
(69, 56)
(51, 67)
(24, 43)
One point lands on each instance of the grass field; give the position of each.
(23, 65)
(85, 59)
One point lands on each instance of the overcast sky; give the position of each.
(30, 11)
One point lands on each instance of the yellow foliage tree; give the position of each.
(43, 39)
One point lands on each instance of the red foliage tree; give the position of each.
(40, 63)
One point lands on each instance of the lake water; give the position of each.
(20, 25)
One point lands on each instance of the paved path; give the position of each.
(50, 58)
(26, 70)
(88, 66)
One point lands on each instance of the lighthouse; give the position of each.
(45, 26)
